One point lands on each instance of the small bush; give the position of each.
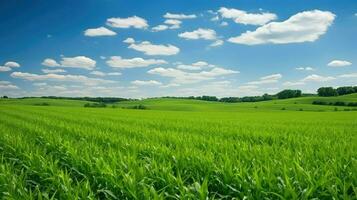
(353, 104)
(42, 104)
(319, 103)
(339, 103)
(138, 107)
(283, 108)
(95, 105)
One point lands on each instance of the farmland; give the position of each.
(178, 149)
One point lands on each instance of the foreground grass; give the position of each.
(53, 152)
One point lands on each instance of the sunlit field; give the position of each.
(178, 100)
(243, 151)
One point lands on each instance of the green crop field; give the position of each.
(295, 104)
(178, 149)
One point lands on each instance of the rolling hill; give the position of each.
(173, 104)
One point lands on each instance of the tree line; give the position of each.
(330, 91)
(265, 97)
(337, 103)
(92, 99)
(284, 94)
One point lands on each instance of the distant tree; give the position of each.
(208, 98)
(267, 97)
(5, 97)
(95, 105)
(230, 99)
(298, 93)
(345, 90)
(327, 92)
(93, 99)
(285, 94)
(352, 104)
(264, 97)
(339, 103)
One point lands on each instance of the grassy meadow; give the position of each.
(178, 149)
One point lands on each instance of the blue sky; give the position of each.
(177, 48)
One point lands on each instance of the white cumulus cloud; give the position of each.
(146, 83)
(114, 74)
(8, 66)
(169, 24)
(12, 64)
(199, 65)
(134, 21)
(217, 43)
(59, 78)
(339, 63)
(305, 69)
(317, 78)
(98, 73)
(310, 78)
(53, 71)
(224, 24)
(6, 85)
(160, 27)
(154, 49)
(179, 16)
(206, 34)
(50, 63)
(102, 74)
(119, 62)
(188, 67)
(129, 40)
(182, 77)
(82, 62)
(101, 31)
(290, 83)
(305, 26)
(174, 23)
(78, 62)
(242, 17)
(4, 69)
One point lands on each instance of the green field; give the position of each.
(178, 149)
(295, 104)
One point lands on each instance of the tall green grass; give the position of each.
(50, 152)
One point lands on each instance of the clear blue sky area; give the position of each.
(180, 48)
